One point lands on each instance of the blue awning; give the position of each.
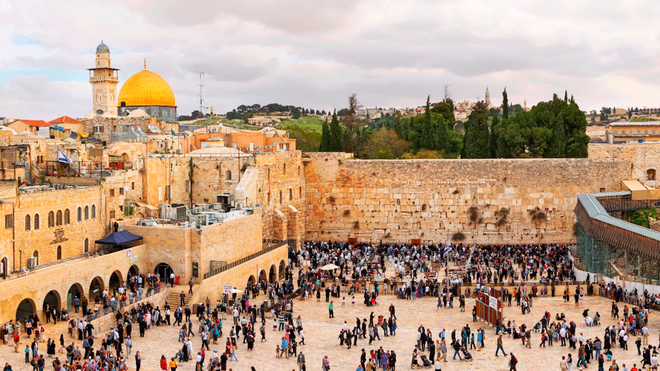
(119, 238)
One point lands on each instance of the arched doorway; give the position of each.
(133, 271)
(25, 308)
(96, 288)
(5, 268)
(272, 276)
(250, 281)
(262, 275)
(76, 291)
(115, 281)
(282, 268)
(163, 270)
(53, 300)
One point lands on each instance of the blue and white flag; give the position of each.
(62, 157)
(448, 248)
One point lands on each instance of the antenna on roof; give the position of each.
(201, 85)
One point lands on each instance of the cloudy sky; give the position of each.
(314, 53)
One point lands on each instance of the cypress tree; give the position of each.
(477, 140)
(325, 138)
(336, 135)
(505, 104)
(493, 136)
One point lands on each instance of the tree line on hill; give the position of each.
(556, 128)
(244, 112)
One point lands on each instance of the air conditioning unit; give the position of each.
(32, 262)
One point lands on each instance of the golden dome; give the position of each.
(146, 88)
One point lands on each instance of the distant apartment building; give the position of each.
(626, 131)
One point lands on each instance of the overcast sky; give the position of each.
(315, 53)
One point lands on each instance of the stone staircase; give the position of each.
(174, 296)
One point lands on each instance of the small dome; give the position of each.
(138, 113)
(102, 48)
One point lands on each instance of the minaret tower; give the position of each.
(104, 81)
(487, 98)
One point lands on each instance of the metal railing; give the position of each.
(245, 259)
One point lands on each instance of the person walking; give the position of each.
(499, 347)
(331, 309)
(325, 364)
(513, 361)
(138, 361)
(300, 360)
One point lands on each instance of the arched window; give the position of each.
(228, 174)
(28, 224)
(36, 255)
(58, 218)
(36, 222)
(79, 214)
(93, 211)
(59, 252)
(86, 212)
(86, 245)
(51, 219)
(284, 169)
(67, 217)
(650, 174)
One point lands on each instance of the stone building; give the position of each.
(104, 81)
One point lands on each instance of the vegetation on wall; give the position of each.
(641, 216)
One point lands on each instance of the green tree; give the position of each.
(477, 141)
(505, 104)
(326, 140)
(336, 135)
(493, 135)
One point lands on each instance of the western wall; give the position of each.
(469, 201)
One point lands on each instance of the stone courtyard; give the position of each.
(321, 337)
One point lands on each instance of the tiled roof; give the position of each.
(65, 119)
(35, 122)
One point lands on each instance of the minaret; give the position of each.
(487, 97)
(104, 81)
(525, 105)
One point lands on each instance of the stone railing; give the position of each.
(245, 259)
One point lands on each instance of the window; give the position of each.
(28, 224)
(112, 193)
(290, 194)
(268, 196)
(58, 218)
(132, 185)
(121, 191)
(86, 212)
(280, 196)
(59, 252)
(300, 192)
(86, 245)
(51, 219)
(67, 217)
(284, 169)
(228, 174)
(650, 174)
(36, 255)
(79, 214)
(112, 214)
(9, 221)
(93, 211)
(36, 222)
(298, 169)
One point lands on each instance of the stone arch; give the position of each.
(28, 224)
(79, 214)
(282, 269)
(53, 299)
(25, 309)
(36, 255)
(133, 271)
(86, 212)
(76, 290)
(86, 245)
(228, 174)
(650, 174)
(96, 288)
(36, 222)
(67, 216)
(93, 211)
(262, 275)
(58, 218)
(164, 270)
(59, 252)
(272, 273)
(51, 219)
(115, 281)
(251, 281)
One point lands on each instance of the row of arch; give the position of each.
(272, 274)
(55, 299)
(58, 218)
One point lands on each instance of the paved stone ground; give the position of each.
(322, 332)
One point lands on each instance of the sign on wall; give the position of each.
(227, 289)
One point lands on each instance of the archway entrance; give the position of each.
(53, 300)
(282, 268)
(76, 291)
(25, 309)
(4, 265)
(262, 275)
(163, 270)
(115, 281)
(250, 281)
(96, 289)
(272, 276)
(133, 271)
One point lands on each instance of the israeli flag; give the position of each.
(62, 157)
(448, 248)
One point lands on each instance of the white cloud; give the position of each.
(316, 53)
